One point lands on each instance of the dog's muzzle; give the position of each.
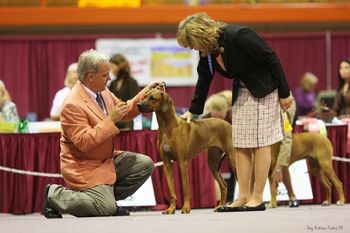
(142, 107)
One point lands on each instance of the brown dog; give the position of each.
(317, 149)
(180, 141)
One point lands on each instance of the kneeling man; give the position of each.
(97, 175)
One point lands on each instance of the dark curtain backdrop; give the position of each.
(300, 53)
(33, 67)
(340, 44)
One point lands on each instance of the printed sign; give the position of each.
(155, 59)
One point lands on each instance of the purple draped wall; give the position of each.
(33, 67)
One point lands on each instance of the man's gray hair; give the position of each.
(89, 62)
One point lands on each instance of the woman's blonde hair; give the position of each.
(69, 81)
(5, 95)
(308, 81)
(201, 32)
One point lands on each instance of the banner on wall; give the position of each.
(155, 59)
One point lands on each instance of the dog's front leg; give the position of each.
(273, 192)
(286, 179)
(169, 174)
(186, 208)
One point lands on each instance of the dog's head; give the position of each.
(155, 100)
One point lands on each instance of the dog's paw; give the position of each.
(217, 207)
(169, 211)
(326, 203)
(185, 210)
(271, 205)
(340, 203)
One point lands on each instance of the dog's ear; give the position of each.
(166, 102)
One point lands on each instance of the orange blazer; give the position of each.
(87, 148)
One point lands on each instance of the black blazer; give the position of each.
(247, 58)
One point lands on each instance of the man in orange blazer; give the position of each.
(95, 173)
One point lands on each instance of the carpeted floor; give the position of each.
(306, 218)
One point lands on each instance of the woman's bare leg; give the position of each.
(262, 161)
(243, 167)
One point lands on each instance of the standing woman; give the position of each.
(342, 99)
(124, 86)
(259, 89)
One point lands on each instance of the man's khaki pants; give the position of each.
(132, 169)
(283, 156)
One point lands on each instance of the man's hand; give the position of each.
(157, 84)
(188, 116)
(118, 112)
(286, 102)
(277, 174)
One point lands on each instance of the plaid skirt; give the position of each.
(256, 122)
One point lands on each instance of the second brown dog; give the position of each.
(181, 141)
(318, 151)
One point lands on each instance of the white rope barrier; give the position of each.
(158, 164)
(341, 159)
(31, 173)
(57, 175)
(44, 174)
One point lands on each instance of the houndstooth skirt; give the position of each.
(256, 122)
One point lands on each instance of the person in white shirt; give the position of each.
(70, 80)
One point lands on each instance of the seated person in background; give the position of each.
(124, 86)
(305, 96)
(70, 80)
(96, 174)
(227, 94)
(219, 105)
(280, 171)
(8, 110)
(341, 105)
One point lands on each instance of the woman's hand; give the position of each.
(286, 102)
(188, 116)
